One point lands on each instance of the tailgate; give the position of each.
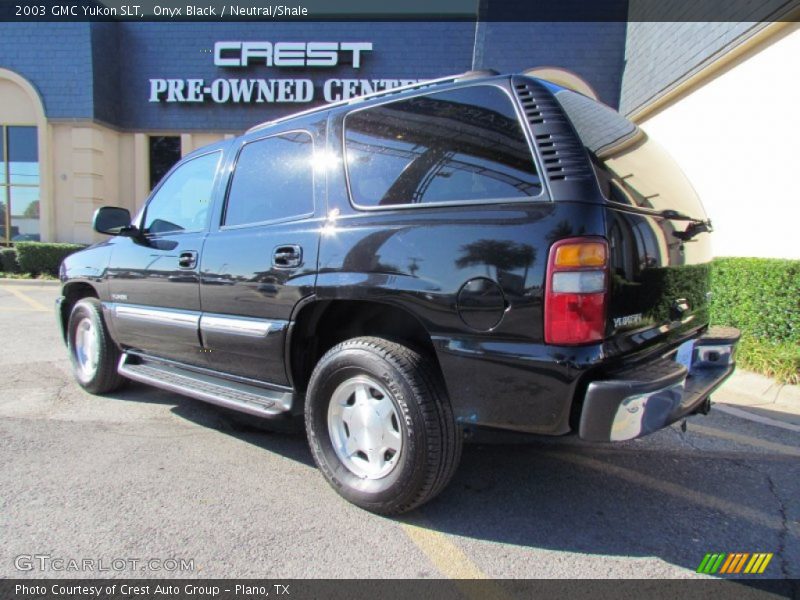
(656, 226)
(659, 248)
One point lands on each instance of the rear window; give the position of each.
(631, 167)
(464, 145)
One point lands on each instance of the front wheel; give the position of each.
(380, 425)
(92, 352)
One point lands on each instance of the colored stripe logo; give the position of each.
(733, 563)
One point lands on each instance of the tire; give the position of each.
(352, 434)
(92, 352)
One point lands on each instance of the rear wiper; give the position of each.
(695, 227)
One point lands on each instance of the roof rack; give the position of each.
(403, 88)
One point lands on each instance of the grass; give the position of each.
(41, 276)
(779, 360)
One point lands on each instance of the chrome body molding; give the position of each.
(158, 316)
(244, 326)
(206, 323)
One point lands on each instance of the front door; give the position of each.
(260, 260)
(153, 279)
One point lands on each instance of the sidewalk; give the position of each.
(759, 395)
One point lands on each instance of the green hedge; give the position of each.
(8, 260)
(761, 296)
(42, 257)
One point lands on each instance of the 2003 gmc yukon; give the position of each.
(478, 251)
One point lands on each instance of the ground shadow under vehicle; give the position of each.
(655, 497)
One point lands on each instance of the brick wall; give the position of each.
(57, 59)
(107, 76)
(182, 50)
(102, 70)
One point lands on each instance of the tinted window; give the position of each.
(19, 184)
(23, 154)
(273, 180)
(183, 201)
(456, 146)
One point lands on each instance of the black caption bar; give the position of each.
(402, 10)
(439, 589)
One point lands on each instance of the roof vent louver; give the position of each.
(562, 154)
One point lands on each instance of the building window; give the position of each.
(165, 152)
(19, 184)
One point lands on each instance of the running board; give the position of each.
(244, 398)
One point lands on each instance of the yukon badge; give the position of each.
(627, 320)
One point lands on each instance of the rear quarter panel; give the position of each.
(419, 258)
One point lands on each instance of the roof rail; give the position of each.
(403, 88)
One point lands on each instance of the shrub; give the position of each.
(8, 260)
(43, 257)
(761, 296)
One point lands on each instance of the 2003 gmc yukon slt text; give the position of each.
(479, 251)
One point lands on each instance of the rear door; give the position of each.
(260, 258)
(153, 279)
(660, 247)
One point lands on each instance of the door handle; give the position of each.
(187, 259)
(287, 257)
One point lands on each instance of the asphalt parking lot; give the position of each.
(145, 474)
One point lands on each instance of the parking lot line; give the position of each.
(747, 440)
(743, 414)
(33, 303)
(666, 487)
(448, 558)
(451, 562)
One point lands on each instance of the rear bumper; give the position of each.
(642, 399)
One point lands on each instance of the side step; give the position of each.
(244, 398)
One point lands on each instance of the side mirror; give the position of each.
(112, 220)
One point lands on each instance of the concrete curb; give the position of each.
(763, 390)
(30, 282)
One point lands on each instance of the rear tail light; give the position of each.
(576, 291)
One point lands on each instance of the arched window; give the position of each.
(20, 174)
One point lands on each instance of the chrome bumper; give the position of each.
(60, 317)
(645, 398)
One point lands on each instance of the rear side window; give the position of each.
(273, 180)
(464, 145)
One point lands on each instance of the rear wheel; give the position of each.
(380, 425)
(93, 354)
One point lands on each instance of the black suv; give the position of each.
(478, 251)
